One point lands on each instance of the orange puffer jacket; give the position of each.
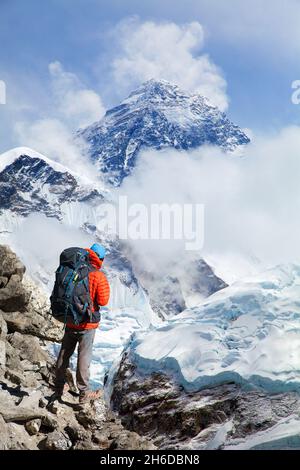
(99, 290)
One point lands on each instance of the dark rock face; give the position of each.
(29, 419)
(30, 184)
(156, 115)
(167, 293)
(159, 408)
(204, 281)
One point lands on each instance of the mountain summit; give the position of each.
(157, 115)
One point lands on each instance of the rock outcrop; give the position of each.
(29, 419)
(226, 416)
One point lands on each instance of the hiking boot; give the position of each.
(90, 395)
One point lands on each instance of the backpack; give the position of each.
(70, 298)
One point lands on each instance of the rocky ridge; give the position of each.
(227, 416)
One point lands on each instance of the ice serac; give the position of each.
(235, 335)
(157, 115)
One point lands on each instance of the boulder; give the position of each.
(10, 263)
(32, 400)
(33, 426)
(14, 296)
(18, 438)
(126, 440)
(13, 361)
(33, 323)
(28, 347)
(57, 440)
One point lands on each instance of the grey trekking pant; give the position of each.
(85, 339)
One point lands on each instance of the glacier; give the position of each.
(247, 333)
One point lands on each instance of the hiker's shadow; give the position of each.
(64, 401)
(14, 391)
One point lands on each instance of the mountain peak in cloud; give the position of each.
(157, 115)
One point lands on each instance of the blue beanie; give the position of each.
(99, 250)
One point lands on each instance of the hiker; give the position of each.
(79, 292)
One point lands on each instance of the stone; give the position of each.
(32, 400)
(3, 281)
(4, 435)
(86, 444)
(33, 323)
(127, 440)
(49, 422)
(18, 414)
(57, 441)
(87, 415)
(2, 353)
(33, 426)
(14, 376)
(19, 438)
(13, 361)
(14, 296)
(43, 402)
(29, 347)
(10, 264)
(3, 327)
(27, 366)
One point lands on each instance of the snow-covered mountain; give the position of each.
(156, 115)
(30, 182)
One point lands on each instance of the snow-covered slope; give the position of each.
(247, 333)
(156, 115)
(30, 182)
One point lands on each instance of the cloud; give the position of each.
(167, 51)
(77, 105)
(71, 106)
(252, 204)
(39, 242)
(52, 138)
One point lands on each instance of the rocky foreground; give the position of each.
(28, 418)
(227, 416)
(153, 405)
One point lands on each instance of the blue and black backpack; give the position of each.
(70, 298)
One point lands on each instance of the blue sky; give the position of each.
(255, 45)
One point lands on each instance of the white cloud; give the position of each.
(167, 51)
(71, 106)
(39, 241)
(77, 105)
(52, 138)
(252, 204)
